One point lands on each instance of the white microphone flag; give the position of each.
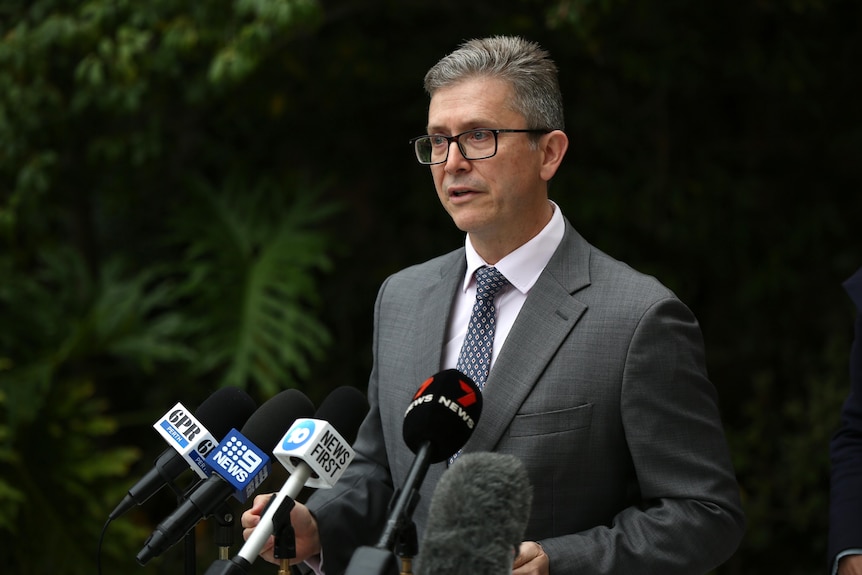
(317, 444)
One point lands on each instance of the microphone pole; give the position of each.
(380, 559)
(407, 547)
(189, 541)
(284, 545)
(224, 523)
(189, 553)
(407, 498)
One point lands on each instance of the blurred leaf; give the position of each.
(255, 258)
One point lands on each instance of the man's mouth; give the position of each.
(461, 193)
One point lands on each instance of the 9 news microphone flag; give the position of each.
(239, 465)
(437, 423)
(191, 438)
(316, 452)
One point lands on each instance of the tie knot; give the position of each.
(489, 281)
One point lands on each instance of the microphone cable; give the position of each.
(99, 547)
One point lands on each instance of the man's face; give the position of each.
(500, 200)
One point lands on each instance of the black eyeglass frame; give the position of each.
(457, 139)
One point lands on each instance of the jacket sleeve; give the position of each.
(845, 502)
(689, 517)
(353, 512)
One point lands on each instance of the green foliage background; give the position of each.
(197, 195)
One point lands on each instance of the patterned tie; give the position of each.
(475, 357)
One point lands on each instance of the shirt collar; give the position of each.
(523, 266)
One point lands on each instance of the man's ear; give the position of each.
(553, 146)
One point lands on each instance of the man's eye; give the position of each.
(438, 141)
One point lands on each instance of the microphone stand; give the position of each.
(380, 560)
(189, 553)
(408, 546)
(224, 530)
(189, 547)
(285, 537)
(285, 542)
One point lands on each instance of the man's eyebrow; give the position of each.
(475, 125)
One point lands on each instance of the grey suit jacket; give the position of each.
(600, 389)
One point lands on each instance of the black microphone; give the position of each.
(437, 423)
(477, 517)
(240, 465)
(442, 415)
(316, 452)
(191, 440)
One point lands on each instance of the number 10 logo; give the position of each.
(298, 434)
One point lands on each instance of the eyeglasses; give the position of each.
(473, 144)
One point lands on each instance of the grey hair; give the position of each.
(525, 65)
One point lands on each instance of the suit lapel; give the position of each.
(436, 304)
(548, 316)
(434, 319)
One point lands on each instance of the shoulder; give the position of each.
(633, 301)
(623, 282)
(592, 275)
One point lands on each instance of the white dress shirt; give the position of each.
(522, 268)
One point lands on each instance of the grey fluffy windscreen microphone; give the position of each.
(477, 517)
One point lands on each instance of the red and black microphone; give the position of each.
(442, 415)
(437, 423)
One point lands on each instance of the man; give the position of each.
(845, 506)
(597, 381)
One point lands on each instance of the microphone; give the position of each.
(239, 466)
(437, 423)
(191, 438)
(477, 517)
(442, 415)
(316, 452)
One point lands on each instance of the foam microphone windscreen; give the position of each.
(443, 413)
(477, 517)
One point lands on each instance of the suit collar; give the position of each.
(523, 266)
